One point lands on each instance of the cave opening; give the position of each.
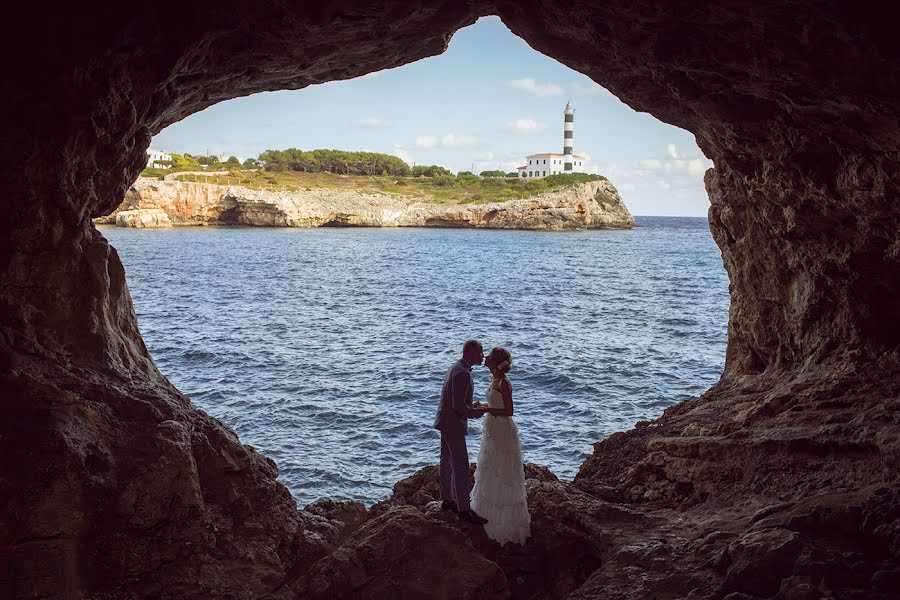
(258, 328)
(780, 481)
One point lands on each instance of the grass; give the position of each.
(448, 189)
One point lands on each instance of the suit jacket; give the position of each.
(456, 400)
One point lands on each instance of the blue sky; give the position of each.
(486, 103)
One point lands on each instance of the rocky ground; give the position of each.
(154, 203)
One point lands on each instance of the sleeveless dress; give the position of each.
(499, 491)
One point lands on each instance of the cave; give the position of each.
(781, 481)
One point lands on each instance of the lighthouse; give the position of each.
(553, 163)
(568, 126)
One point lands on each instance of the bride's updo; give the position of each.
(502, 358)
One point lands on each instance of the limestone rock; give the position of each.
(593, 205)
(143, 218)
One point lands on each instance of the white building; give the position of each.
(156, 157)
(551, 163)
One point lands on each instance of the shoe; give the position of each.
(472, 517)
(449, 505)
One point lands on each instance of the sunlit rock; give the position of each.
(593, 205)
(143, 218)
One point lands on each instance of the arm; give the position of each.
(459, 394)
(507, 410)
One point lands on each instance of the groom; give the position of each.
(452, 421)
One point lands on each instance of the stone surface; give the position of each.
(404, 554)
(113, 485)
(594, 205)
(143, 218)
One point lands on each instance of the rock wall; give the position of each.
(594, 205)
(143, 218)
(781, 481)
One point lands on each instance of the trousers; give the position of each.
(454, 470)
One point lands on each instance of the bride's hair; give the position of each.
(502, 358)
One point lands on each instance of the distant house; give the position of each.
(541, 165)
(551, 163)
(157, 158)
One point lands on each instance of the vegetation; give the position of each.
(442, 189)
(333, 161)
(371, 172)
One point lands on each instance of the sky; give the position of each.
(486, 103)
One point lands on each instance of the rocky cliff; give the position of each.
(593, 205)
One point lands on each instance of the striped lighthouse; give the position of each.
(545, 164)
(568, 126)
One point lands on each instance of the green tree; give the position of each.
(333, 161)
(429, 171)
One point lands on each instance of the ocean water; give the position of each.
(326, 348)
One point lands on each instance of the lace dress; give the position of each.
(499, 491)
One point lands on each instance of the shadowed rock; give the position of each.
(114, 485)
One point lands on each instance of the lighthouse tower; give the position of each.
(567, 136)
(545, 164)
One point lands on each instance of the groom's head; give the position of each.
(473, 352)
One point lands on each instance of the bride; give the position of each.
(499, 491)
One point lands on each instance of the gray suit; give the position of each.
(452, 421)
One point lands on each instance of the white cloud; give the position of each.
(524, 126)
(627, 187)
(527, 84)
(588, 88)
(369, 122)
(494, 165)
(454, 140)
(698, 166)
(677, 164)
(426, 141)
(651, 163)
(403, 155)
(451, 140)
(488, 161)
(574, 88)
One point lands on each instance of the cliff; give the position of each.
(592, 205)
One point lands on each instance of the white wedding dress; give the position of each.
(499, 491)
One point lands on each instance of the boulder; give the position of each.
(143, 218)
(403, 554)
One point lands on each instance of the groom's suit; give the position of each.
(452, 421)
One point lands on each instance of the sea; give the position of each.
(325, 349)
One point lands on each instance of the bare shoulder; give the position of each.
(506, 384)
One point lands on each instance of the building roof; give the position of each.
(553, 154)
(522, 167)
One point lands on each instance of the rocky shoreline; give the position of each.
(155, 203)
